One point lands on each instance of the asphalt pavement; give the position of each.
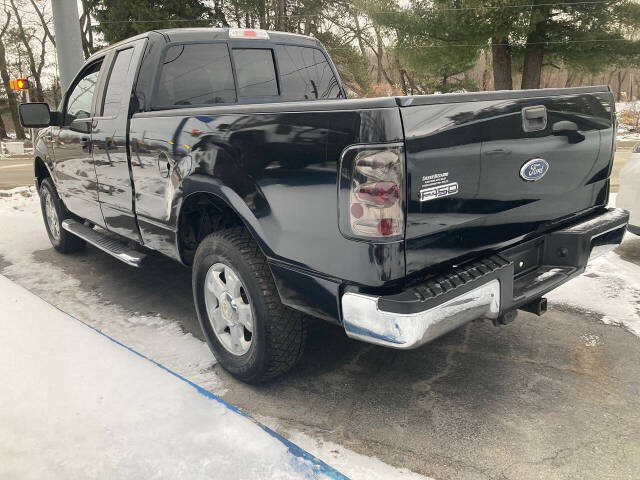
(548, 397)
(16, 171)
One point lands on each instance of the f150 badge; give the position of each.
(436, 186)
(534, 169)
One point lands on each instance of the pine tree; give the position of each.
(120, 19)
(447, 35)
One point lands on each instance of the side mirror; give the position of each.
(34, 115)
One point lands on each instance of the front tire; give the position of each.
(251, 333)
(53, 213)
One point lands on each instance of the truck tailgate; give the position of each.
(487, 170)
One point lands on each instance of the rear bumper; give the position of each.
(483, 288)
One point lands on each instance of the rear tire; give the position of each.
(53, 213)
(273, 335)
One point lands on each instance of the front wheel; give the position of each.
(54, 212)
(251, 333)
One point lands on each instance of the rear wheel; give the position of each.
(54, 212)
(251, 333)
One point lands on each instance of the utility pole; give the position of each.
(66, 25)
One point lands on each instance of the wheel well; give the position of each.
(41, 171)
(202, 214)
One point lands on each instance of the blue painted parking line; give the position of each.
(307, 464)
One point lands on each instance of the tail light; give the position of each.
(372, 191)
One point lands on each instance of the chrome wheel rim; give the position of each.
(51, 215)
(228, 309)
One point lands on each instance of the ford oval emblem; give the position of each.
(534, 169)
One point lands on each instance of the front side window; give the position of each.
(256, 72)
(196, 74)
(81, 97)
(117, 79)
(305, 74)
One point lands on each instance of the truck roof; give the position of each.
(199, 34)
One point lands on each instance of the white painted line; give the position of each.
(16, 166)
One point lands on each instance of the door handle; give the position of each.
(534, 119)
(568, 128)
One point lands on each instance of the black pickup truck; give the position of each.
(236, 152)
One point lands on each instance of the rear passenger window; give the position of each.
(117, 78)
(305, 74)
(256, 72)
(196, 74)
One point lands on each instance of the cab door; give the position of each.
(110, 141)
(73, 168)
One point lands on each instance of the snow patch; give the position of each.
(591, 340)
(610, 287)
(76, 405)
(22, 233)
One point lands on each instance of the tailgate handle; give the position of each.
(534, 118)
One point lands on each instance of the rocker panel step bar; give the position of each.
(113, 247)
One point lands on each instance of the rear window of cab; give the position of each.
(203, 74)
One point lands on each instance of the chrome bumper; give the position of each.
(363, 320)
(485, 288)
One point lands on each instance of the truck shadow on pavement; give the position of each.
(556, 396)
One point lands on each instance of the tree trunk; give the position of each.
(534, 51)
(610, 80)
(262, 13)
(570, 78)
(3, 129)
(621, 77)
(485, 71)
(356, 22)
(280, 15)
(379, 55)
(501, 56)
(13, 104)
(532, 70)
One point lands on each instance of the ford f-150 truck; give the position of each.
(236, 152)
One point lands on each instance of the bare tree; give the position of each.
(44, 22)
(86, 29)
(36, 61)
(4, 73)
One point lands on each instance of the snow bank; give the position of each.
(610, 288)
(77, 405)
(624, 132)
(22, 233)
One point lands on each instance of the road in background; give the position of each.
(17, 171)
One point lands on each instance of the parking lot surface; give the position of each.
(546, 397)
